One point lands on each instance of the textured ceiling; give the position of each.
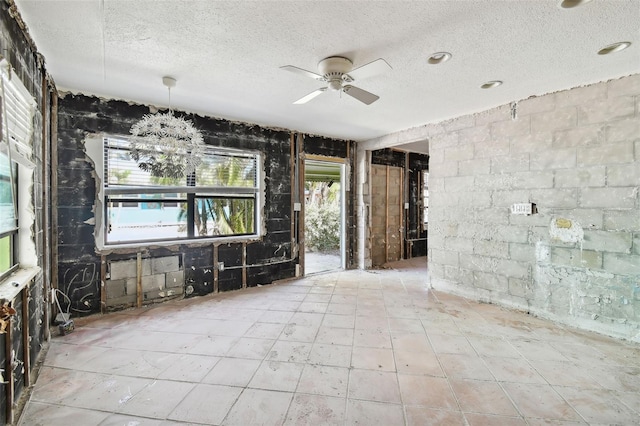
(226, 55)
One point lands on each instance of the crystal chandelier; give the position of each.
(164, 145)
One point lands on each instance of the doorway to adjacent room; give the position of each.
(324, 216)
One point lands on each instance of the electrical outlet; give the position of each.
(522, 209)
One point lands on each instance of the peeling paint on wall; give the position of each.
(565, 230)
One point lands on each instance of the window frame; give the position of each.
(12, 232)
(17, 109)
(188, 193)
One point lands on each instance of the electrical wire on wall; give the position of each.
(65, 323)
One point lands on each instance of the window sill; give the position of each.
(196, 242)
(11, 286)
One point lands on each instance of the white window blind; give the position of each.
(17, 116)
(221, 170)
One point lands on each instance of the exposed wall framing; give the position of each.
(395, 174)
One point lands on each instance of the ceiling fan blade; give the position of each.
(369, 70)
(361, 95)
(300, 71)
(310, 96)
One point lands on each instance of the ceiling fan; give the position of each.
(338, 73)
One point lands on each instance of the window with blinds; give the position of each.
(220, 199)
(16, 124)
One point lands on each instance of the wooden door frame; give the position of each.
(343, 204)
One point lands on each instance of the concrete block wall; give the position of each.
(576, 155)
(161, 278)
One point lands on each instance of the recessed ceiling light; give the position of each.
(569, 4)
(491, 84)
(439, 57)
(613, 48)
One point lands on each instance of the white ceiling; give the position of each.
(226, 55)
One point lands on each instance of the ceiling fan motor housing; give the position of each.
(334, 71)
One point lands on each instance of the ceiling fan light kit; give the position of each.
(338, 73)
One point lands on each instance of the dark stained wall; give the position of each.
(318, 145)
(245, 264)
(18, 49)
(389, 157)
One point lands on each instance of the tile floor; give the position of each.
(315, 262)
(353, 347)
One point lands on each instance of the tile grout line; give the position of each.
(397, 374)
(528, 361)
(498, 382)
(446, 377)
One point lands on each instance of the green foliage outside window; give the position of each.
(322, 216)
(5, 254)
